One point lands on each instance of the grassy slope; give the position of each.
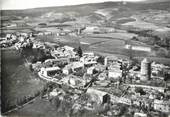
(17, 80)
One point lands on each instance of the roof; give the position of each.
(88, 53)
(141, 114)
(68, 48)
(145, 60)
(112, 57)
(115, 71)
(91, 62)
(91, 68)
(72, 77)
(162, 102)
(51, 68)
(96, 91)
(74, 65)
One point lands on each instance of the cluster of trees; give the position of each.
(19, 102)
(36, 55)
(101, 60)
(79, 72)
(152, 38)
(7, 105)
(79, 51)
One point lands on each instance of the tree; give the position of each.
(100, 60)
(79, 51)
(140, 90)
(135, 38)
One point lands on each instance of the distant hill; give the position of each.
(154, 1)
(87, 9)
(106, 13)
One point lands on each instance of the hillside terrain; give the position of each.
(107, 29)
(112, 14)
(108, 17)
(109, 8)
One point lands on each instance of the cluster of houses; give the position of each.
(8, 40)
(18, 40)
(74, 31)
(71, 63)
(85, 72)
(126, 83)
(64, 52)
(78, 72)
(114, 68)
(22, 37)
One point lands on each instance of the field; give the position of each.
(111, 43)
(161, 60)
(93, 40)
(113, 47)
(14, 30)
(142, 24)
(125, 20)
(115, 35)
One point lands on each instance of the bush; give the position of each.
(100, 60)
(79, 51)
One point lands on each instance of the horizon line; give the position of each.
(129, 1)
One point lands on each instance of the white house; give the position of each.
(68, 48)
(88, 54)
(40, 34)
(140, 115)
(49, 71)
(124, 100)
(91, 29)
(89, 60)
(8, 35)
(72, 67)
(21, 39)
(161, 105)
(73, 81)
(96, 95)
(13, 36)
(138, 48)
(114, 73)
(24, 34)
(48, 33)
(56, 92)
(102, 76)
(67, 70)
(90, 70)
(77, 65)
(38, 45)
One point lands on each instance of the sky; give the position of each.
(25, 4)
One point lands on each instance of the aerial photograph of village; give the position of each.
(89, 59)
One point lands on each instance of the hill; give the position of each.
(106, 13)
(86, 9)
